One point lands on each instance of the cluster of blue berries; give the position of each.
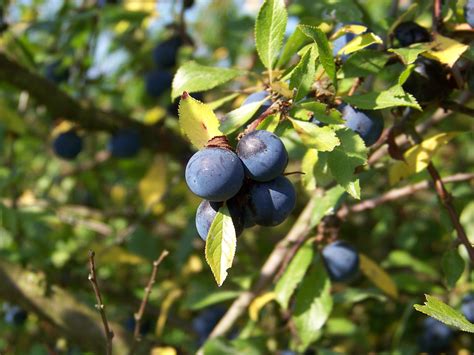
(124, 143)
(249, 181)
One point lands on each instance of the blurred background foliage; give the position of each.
(52, 211)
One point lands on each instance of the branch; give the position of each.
(146, 296)
(457, 107)
(60, 309)
(63, 106)
(109, 334)
(437, 15)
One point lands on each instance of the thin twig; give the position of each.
(437, 16)
(109, 334)
(457, 107)
(139, 315)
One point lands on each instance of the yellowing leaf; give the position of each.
(220, 245)
(118, 255)
(64, 126)
(198, 122)
(118, 193)
(258, 303)
(356, 29)
(378, 276)
(141, 5)
(163, 350)
(154, 115)
(152, 186)
(360, 42)
(418, 157)
(446, 50)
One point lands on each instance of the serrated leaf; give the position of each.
(269, 31)
(258, 303)
(364, 63)
(197, 121)
(294, 273)
(220, 244)
(378, 276)
(437, 309)
(294, 43)
(360, 42)
(343, 160)
(325, 53)
(152, 186)
(315, 170)
(445, 50)
(323, 139)
(302, 76)
(238, 117)
(194, 77)
(270, 123)
(418, 157)
(326, 205)
(313, 303)
(405, 74)
(407, 55)
(453, 266)
(322, 113)
(392, 97)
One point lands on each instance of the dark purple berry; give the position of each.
(67, 145)
(367, 124)
(467, 307)
(436, 337)
(341, 261)
(207, 211)
(410, 32)
(124, 144)
(158, 82)
(165, 53)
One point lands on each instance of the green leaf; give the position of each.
(209, 298)
(323, 139)
(325, 52)
(345, 158)
(313, 303)
(315, 170)
(294, 273)
(194, 77)
(326, 205)
(403, 259)
(360, 42)
(352, 295)
(222, 101)
(322, 113)
(453, 266)
(294, 43)
(364, 63)
(238, 117)
(197, 121)
(407, 55)
(220, 244)
(392, 97)
(269, 31)
(303, 75)
(270, 123)
(444, 313)
(405, 74)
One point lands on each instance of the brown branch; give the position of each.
(109, 334)
(62, 106)
(396, 194)
(457, 107)
(437, 16)
(138, 316)
(274, 108)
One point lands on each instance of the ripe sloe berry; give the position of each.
(368, 125)
(341, 261)
(124, 144)
(436, 337)
(469, 12)
(207, 211)
(410, 32)
(67, 145)
(467, 307)
(263, 154)
(215, 174)
(205, 322)
(164, 54)
(256, 97)
(157, 82)
(428, 81)
(272, 202)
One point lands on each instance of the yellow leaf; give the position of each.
(163, 350)
(141, 5)
(152, 186)
(198, 122)
(118, 255)
(378, 276)
(360, 42)
(64, 126)
(356, 29)
(418, 157)
(118, 193)
(154, 115)
(258, 303)
(445, 50)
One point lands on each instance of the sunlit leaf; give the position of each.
(258, 303)
(321, 138)
(152, 186)
(378, 276)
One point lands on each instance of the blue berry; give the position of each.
(469, 12)
(14, 315)
(368, 125)
(215, 174)
(67, 145)
(207, 211)
(165, 53)
(157, 82)
(124, 144)
(256, 97)
(263, 154)
(271, 202)
(205, 322)
(410, 32)
(436, 337)
(56, 72)
(467, 307)
(341, 260)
